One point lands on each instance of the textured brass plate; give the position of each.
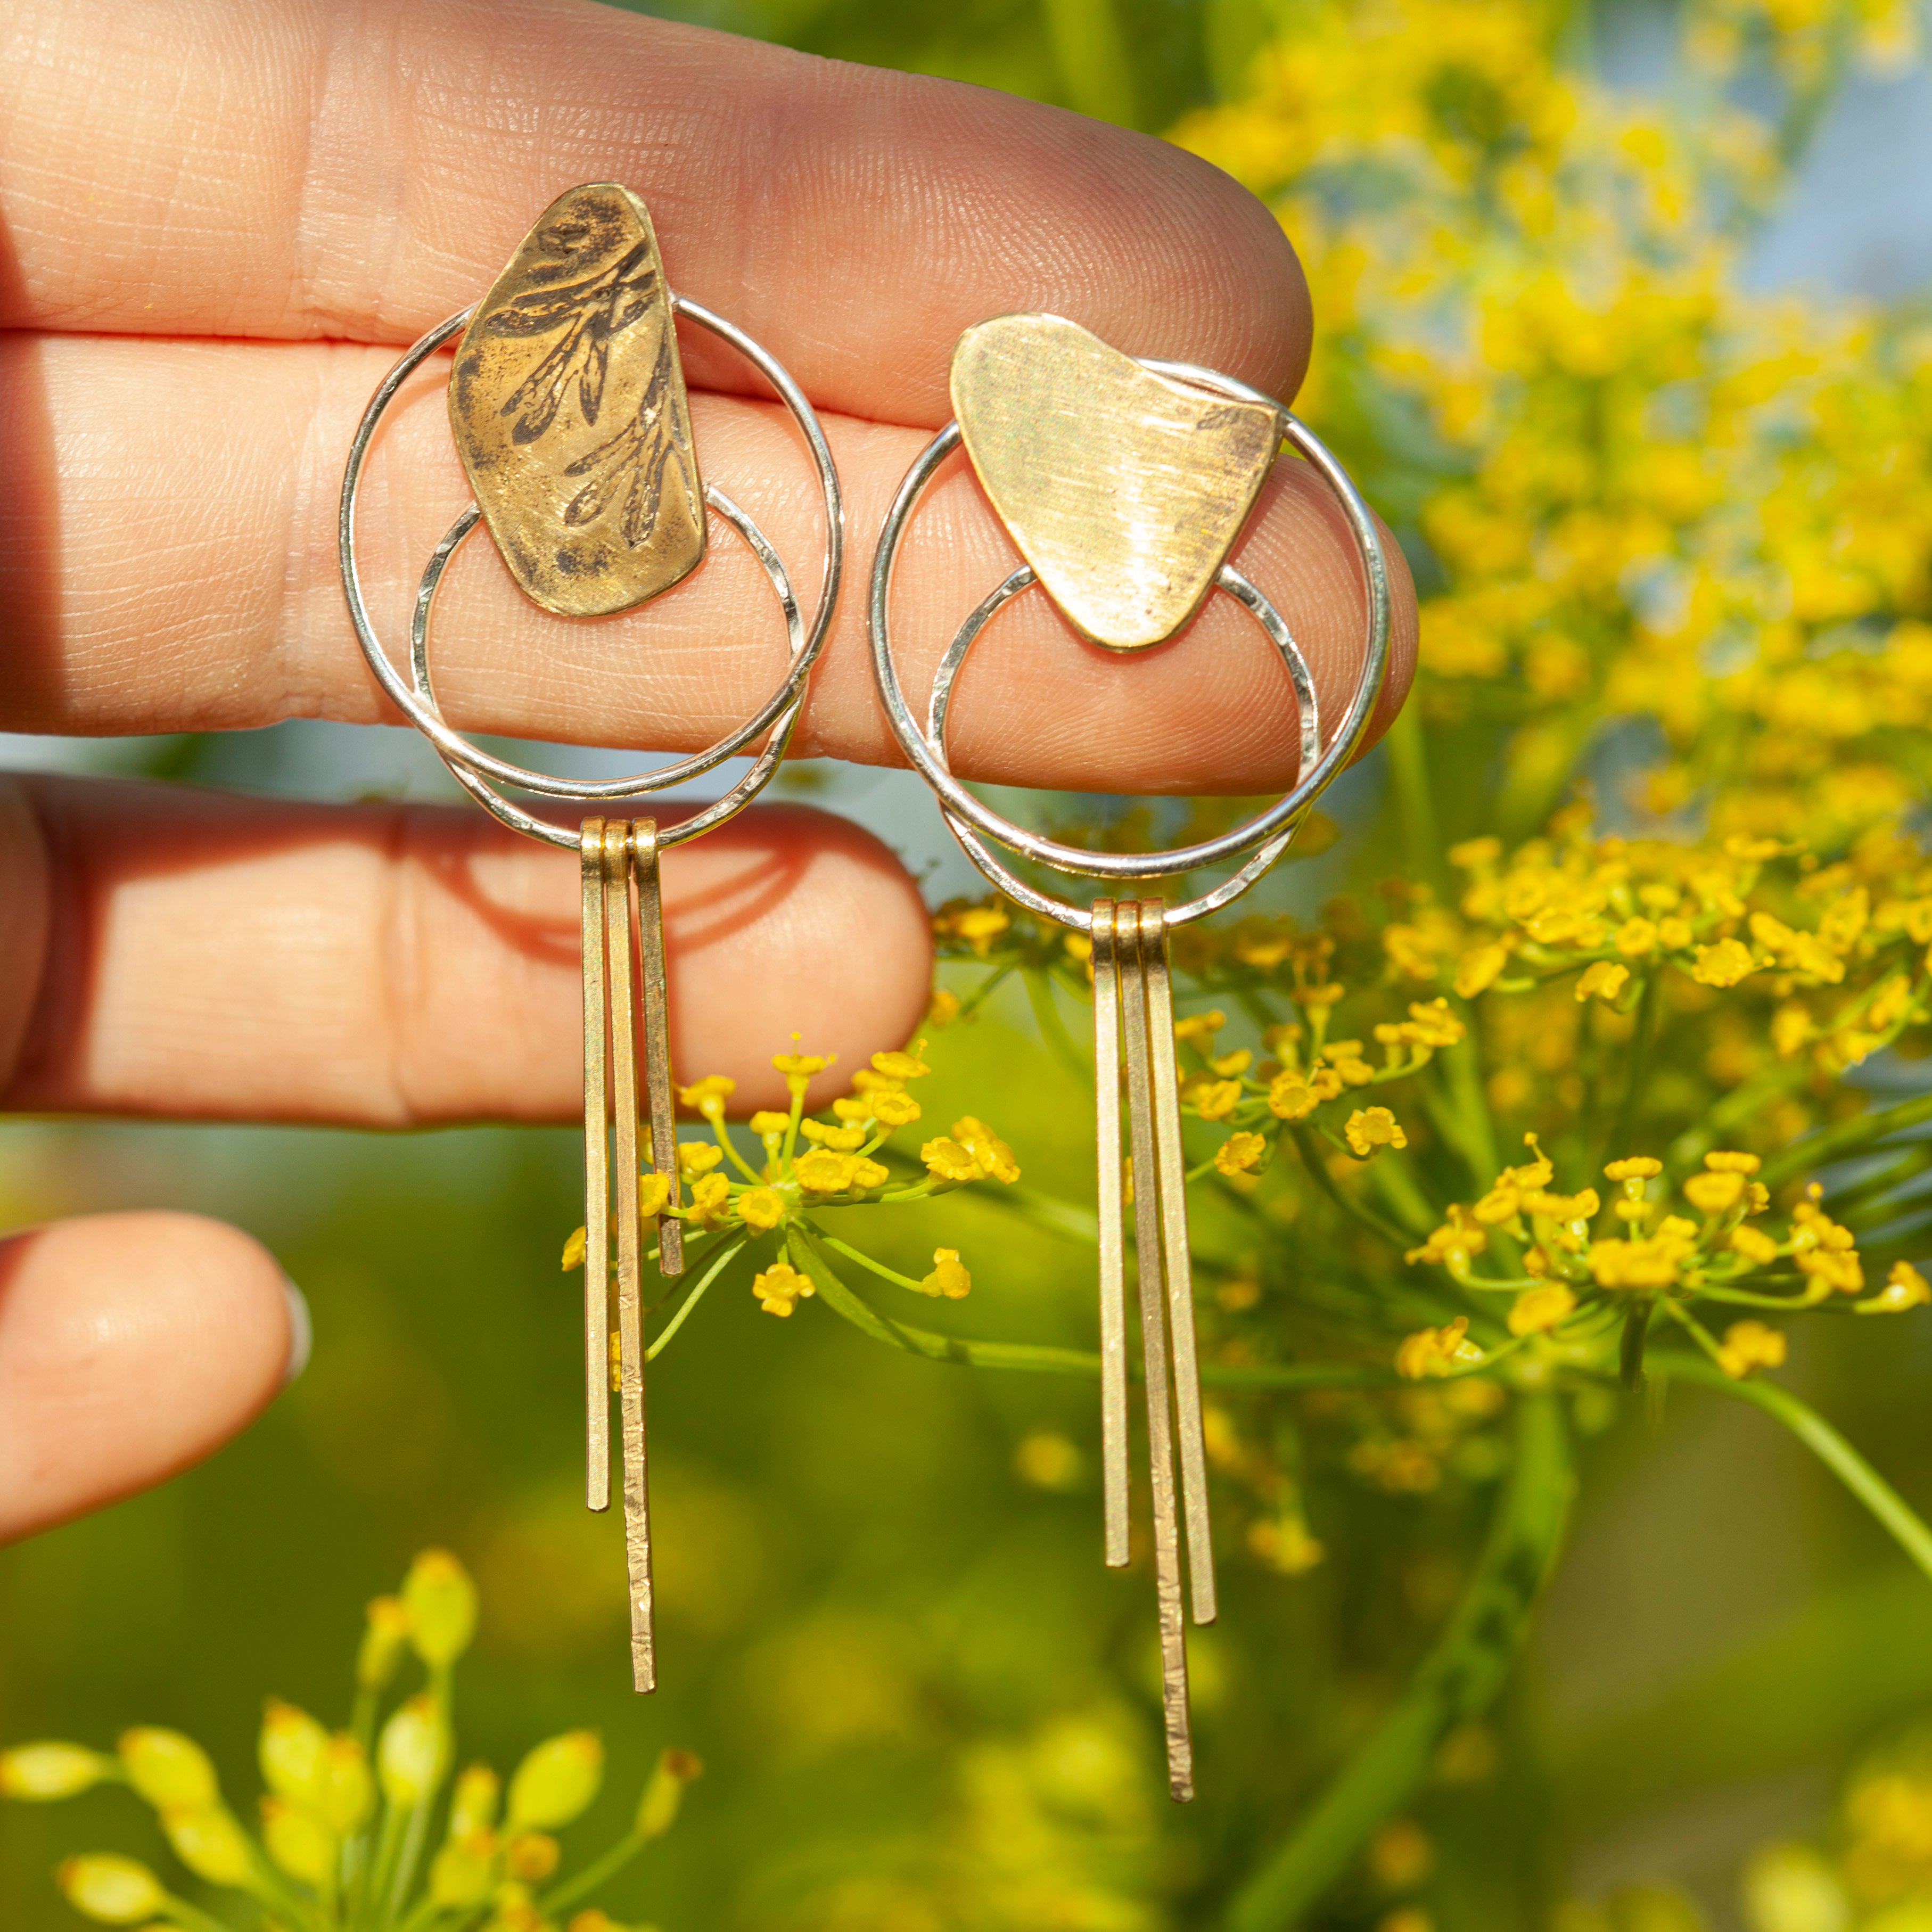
(568, 405)
(1124, 490)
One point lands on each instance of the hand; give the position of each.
(221, 222)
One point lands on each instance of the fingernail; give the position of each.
(302, 1331)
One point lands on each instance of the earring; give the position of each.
(1124, 483)
(567, 407)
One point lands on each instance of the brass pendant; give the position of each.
(624, 981)
(1133, 1025)
(1123, 489)
(568, 405)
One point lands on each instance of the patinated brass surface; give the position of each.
(568, 406)
(1124, 490)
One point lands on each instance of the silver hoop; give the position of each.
(740, 795)
(473, 766)
(1307, 702)
(1267, 833)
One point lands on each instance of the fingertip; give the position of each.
(792, 920)
(131, 1346)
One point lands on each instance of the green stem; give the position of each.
(696, 1294)
(1847, 1138)
(1053, 1028)
(191, 1916)
(1457, 1681)
(1318, 1170)
(1648, 1006)
(1032, 1358)
(1630, 1351)
(1898, 1518)
(1415, 798)
(595, 1874)
(980, 993)
(865, 1261)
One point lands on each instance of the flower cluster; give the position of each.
(349, 1818)
(729, 1200)
(1645, 490)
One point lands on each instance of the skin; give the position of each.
(220, 222)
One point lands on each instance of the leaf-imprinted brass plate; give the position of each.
(568, 405)
(1123, 489)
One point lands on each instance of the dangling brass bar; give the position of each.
(1114, 1468)
(619, 935)
(657, 1039)
(596, 1183)
(1154, 1350)
(1179, 1264)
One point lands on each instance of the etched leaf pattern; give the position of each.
(629, 469)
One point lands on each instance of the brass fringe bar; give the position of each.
(1114, 1448)
(596, 1183)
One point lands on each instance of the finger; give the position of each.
(320, 168)
(131, 1345)
(180, 575)
(214, 957)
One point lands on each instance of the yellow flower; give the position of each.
(867, 1175)
(1749, 1345)
(1674, 934)
(1536, 1309)
(946, 1160)
(1199, 1027)
(1291, 1097)
(980, 925)
(991, 1155)
(1828, 1269)
(1602, 981)
(1733, 1163)
(573, 1250)
(841, 1140)
(798, 1069)
(1239, 1153)
(1756, 1247)
(822, 1172)
(1478, 969)
(653, 1194)
(698, 1157)
(1714, 1193)
(898, 1066)
(1635, 938)
(1435, 1352)
(768, 1126)
(710, 1196)
(1723, 964)
(114, 1890)
(43, 1772)
(1905, 1288)
(1452, 1244)
(1641, 1262)
(948, 1277)
(1432, 1023)
(799, 1066)
(761, 1208)
(1634, 1167)
(781, 1287)
(893, 1108)
(1369, 1128)
(708, 1096)
(1216, 1099)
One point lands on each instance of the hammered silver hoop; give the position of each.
(1308, 707)
(1265, 835)
(472, 767)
